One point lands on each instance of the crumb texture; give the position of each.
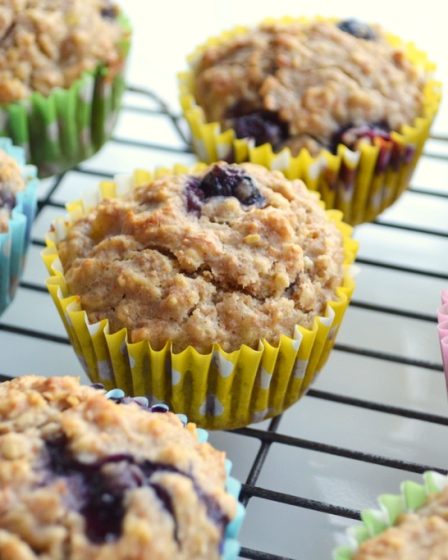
(85, 478)
(301, 84)
(47, 44)
(230, 255)
(418, 536)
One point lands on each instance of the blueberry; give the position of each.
(98, 490)
(349, 135)
(227, 180)
(7, 200)
(109, 11)
(219, 181)
(357, 29)
(194, 195)
(263, 126)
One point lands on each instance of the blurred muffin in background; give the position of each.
(61, 76)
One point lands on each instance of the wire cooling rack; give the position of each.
(376, 415)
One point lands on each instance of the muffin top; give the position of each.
(85, 478)
(47, 44)
(230, 254)
(419, 535)
(304, 84)
(11, 182)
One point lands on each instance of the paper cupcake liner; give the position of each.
(412, 497)
(216, 390)
(14, 242)
(231, 546)
(68, 126)
(442, 328)
(360, 183)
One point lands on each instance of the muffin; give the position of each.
(84, 477)
(18, 194)
(412, 526)
(340, 104)
(61, 77)
(232, 272)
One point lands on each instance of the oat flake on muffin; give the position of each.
(309, 84)
(48, 44)
(228, 255)
(84, 478)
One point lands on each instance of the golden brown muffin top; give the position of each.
(231, 254)
(417, 536)
(48, 44)
(302, 84)
(85, 478)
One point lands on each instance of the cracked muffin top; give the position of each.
(85, 478)
(47, 44)
(309, 84)
(11, 183)
(230, 255)
(419, 535)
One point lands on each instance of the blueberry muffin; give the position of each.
(48, 44)
(61, 76)
(11, 183)
(342, 105)
(230, 254)
(418, 535)
(309, 85)
(82, 477)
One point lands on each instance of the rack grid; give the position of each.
(377, 413)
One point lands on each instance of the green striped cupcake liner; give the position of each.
(68, 126)
(412, 497)
(14, 242)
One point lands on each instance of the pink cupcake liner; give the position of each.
(442, 328)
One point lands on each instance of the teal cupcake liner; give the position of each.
(412, 497)
(14, 242)
(68, 126)
(231, 545)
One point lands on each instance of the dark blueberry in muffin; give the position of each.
(351, 134)
(194, 195)
(357, 29)
(98, 490)
(108, 11)
(263, 126)
(225, 180)
(7, 200)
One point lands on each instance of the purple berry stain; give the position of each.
(7, 200)
(350, 134)
(357, 28)
(97, 490)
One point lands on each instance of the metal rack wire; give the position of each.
(12, 328)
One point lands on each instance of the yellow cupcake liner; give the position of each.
(360, 183)
(216, 390)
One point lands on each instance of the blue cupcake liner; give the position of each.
(14, 242)
(231, 545)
